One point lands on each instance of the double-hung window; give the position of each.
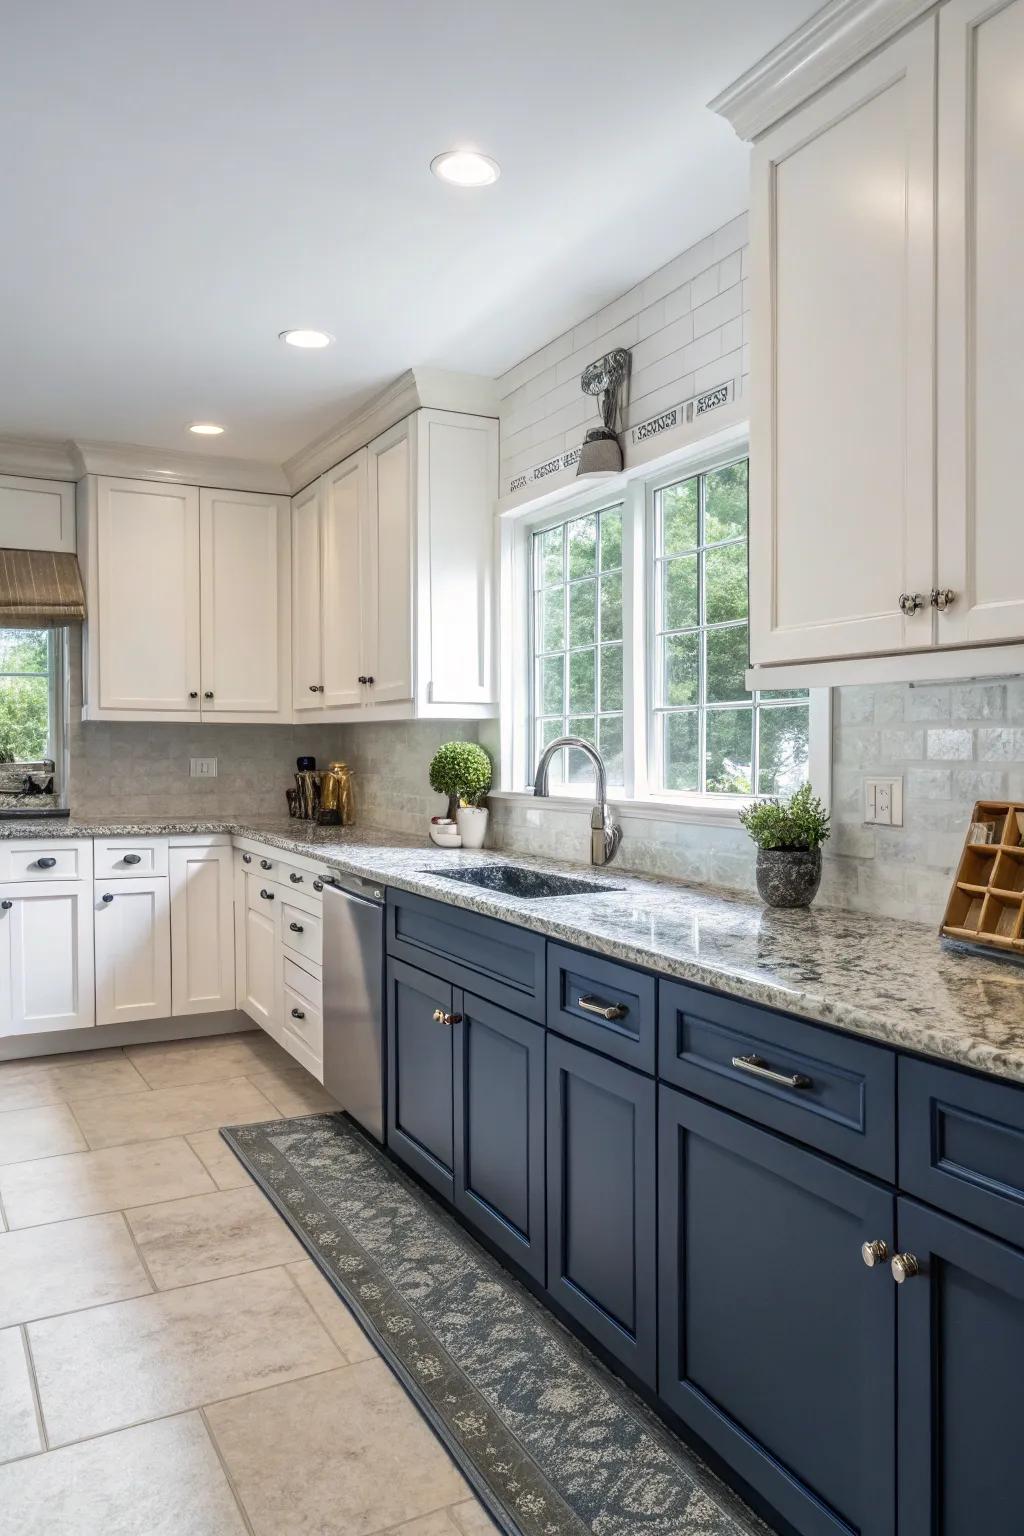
(637, 641)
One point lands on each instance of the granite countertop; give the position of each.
(888, 980)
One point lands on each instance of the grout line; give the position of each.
(34, 1386)
(236, 1494)
(70, 1109)
(138, 1253)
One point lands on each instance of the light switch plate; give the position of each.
(202, 767)
(883, 802)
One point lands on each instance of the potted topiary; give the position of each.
(789, 836)
(462, 771)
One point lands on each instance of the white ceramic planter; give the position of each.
(472, 820)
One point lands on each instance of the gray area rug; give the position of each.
(551, 1441)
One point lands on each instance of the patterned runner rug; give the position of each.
(551, 1441)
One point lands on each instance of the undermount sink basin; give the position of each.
(510, 880)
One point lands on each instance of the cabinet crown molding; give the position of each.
(134, 462)
(834, 39)
(38, 458)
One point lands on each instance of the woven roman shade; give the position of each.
(39, 590)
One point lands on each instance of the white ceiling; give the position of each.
(182, 179)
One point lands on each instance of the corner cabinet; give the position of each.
(187, 597)
(393, 588)
(887, 221)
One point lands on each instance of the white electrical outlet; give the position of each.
(202, 767)
(883, 802)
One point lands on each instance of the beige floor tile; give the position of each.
(119, 1365)
(210, 1236)
(42, 1132)
(19, 1428)
(202, 1061)
(160, 1479)
(293, 1091)
(342, 1454)
(332, 1312)
(221, 1163)
(86, 1183)
(439, 1523)
(67, 1266)
(23, 1085)
(471, 1519)
(165, 1112)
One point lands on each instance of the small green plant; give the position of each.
(800, 822)
(462, 771)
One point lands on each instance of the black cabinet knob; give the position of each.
(193, 694)
(208, 695)
(7, 905)
(266, 864)
(45, 863)
(296, 928)
(246, 858)
(107, 897)
(132, 858)
(313, 688)
(297, 1013)
(368, 680)
(267, 895)
(295, 879)
(318, 885)
(364, 679)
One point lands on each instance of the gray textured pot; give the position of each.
(788, 877)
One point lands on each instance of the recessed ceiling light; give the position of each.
(206, 429)
(303, 338)
(465, 168)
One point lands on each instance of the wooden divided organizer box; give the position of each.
(986, 904)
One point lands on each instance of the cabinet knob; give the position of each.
(295, 879)
(7, 905)
(910, 602)
(318, 885)
(266, 864)
(246, 858)
(132, 858)
(369, 680)
(440, 1017)
(193, 694)
(363, 679)
(297, 1013)
(313, 688)
(904, 1267)
(874, 1253)
(296, 928)
(107, 896)
(943, 598)
(45, 863)
(208, 694)
(267, 895)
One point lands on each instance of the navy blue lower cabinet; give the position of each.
(776, 1342)
(420, 1054)
(601, 1201)
(499, 1129)
(961, 1373)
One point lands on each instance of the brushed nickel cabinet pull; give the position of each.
(758, 1068)
(603, 1010)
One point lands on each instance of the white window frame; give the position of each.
(639, 798)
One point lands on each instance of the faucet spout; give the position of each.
(605, 835)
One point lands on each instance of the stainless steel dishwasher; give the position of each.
(353, 971)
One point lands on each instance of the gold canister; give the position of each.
(336, 804)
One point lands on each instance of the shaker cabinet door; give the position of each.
(46, 951)
(420, 1082)
(133, 950)
(307, 658)
(245, 560)
(343, 536)
(776, 1343)
(261, 974)
(980, 320)
(202, 930)
(387, 569)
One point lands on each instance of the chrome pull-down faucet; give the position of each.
(605, 836)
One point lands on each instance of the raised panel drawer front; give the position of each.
(499, 1129)
(776, 1342)
(420, 1083)
(129, 857)
(961, 1373)
(602, 1004)
(962, 1146)
(492, 959)
(834, 1092)
(601, 1201)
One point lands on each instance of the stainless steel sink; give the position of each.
(510, 880)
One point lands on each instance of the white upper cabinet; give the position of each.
(245, 578)
(393, 576)
(980, 320)
(37, 514)
(842, 425)
(188, 602)
(139, 547)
